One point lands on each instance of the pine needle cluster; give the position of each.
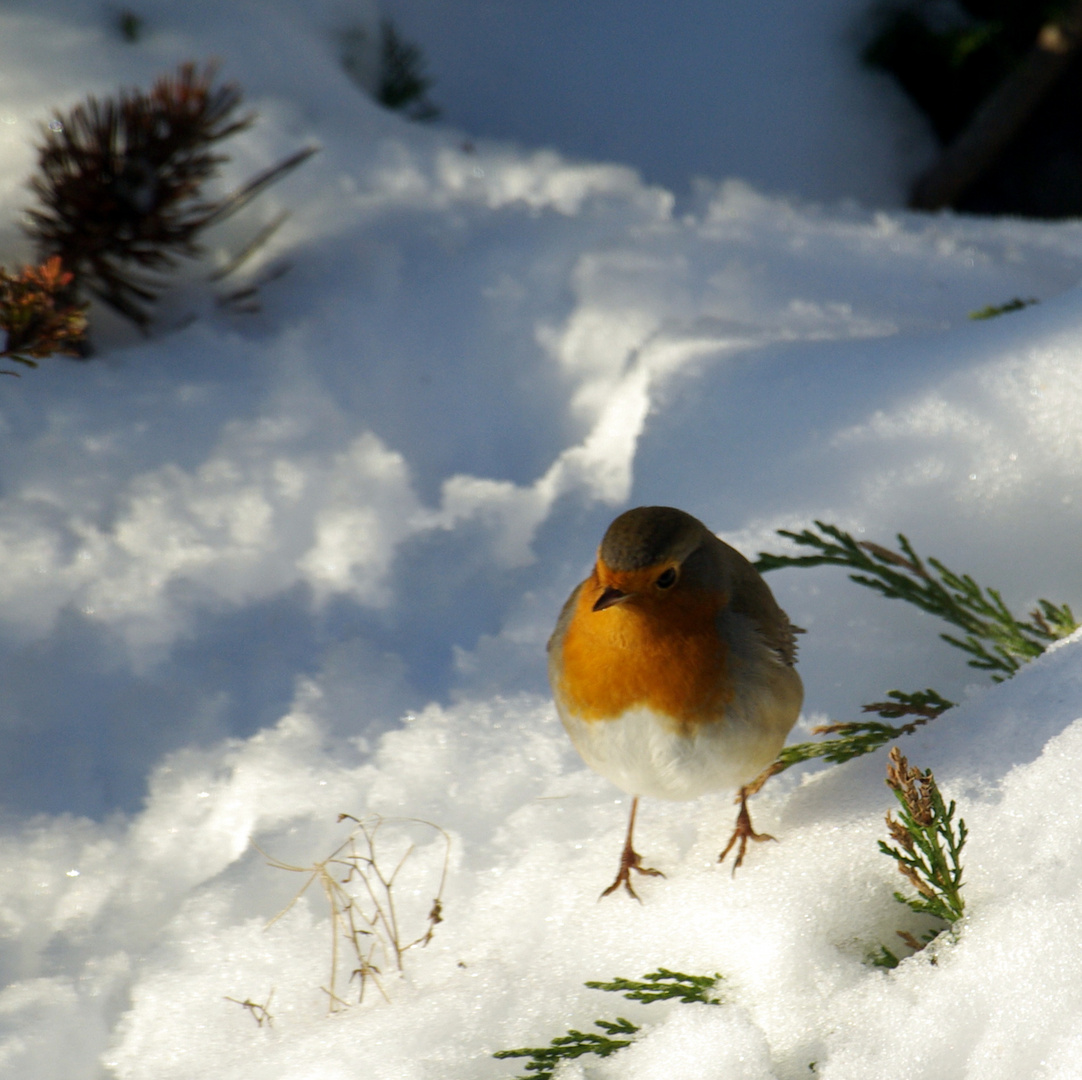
(403, 84)
(660, 985)
(120, 184)
(35, 316)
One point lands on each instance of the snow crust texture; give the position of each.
(260, 570)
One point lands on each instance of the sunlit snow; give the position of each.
(263, 569)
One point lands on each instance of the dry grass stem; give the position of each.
(358, 883)
(260, 1013)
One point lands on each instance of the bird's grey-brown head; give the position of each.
(649, 535)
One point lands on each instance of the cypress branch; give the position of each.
(996, 640)
(659, 985)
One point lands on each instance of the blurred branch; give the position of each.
(1002, 115)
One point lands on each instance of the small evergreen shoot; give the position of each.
(660, 985)
(992, 310)
(864, 736)
(927, 844)
(860, 737)
(663, 985)
(924, 704)
(544, 1059)
(884, 958)
(129, 25)
(996, 640)
(403, 84)
(36, 319)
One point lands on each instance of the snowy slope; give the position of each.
(769, 91)
(263, 569)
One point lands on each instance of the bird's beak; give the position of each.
(609, 597)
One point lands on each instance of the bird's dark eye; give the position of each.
(667, 578)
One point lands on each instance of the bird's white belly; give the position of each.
(642, 753)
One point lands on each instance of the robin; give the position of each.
(672, 667)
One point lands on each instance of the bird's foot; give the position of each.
(742, 834)
(630, 860)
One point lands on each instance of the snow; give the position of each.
(680, 94)
(263, 569)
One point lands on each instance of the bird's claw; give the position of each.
(630, 860)
(742, 833)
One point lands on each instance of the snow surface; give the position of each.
(768, 90)
(263, 569)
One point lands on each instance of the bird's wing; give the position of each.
(751, 597)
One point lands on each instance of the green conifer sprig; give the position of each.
(865, 736)
(993, 311)
(660, 985)
(884, 958)
(860, 737)
(544, 1059)
(996, 640)
(927, 844)
(924, 704)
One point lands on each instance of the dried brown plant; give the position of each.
(364, 915)
(37, 319)
(261, 1013)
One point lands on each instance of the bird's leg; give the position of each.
(743, 832)
(630, 860)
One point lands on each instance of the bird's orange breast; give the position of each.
(663, 653)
